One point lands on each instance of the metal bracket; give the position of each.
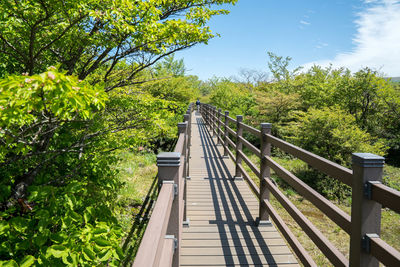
(368, 188)
(186, 223)
(175, 186)
(366, 242)
(175, 240)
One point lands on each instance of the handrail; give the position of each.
(251, 130)
(334, 213)
(251, 147)
(160, 245)
(365, 181)
(383, 252)
(326, 166)
(330, 251)
(386, 196)
(149, 251)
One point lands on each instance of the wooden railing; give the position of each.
(161, 242)
(368, 192)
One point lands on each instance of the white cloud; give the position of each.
(321, 45)
(304, 22)
(377, 41)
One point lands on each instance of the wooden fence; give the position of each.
(160, 245)
(368, 192)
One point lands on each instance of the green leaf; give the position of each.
(19, 224)
(88, 253)
(10, 263)
(57, 251)
(27, 261)
(106, 255)
(102, 242)
(99, 231)
(4, 227)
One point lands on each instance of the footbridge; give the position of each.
(210, 212)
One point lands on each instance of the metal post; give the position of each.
(265, 173)
(239, 146)
(168, 171)
(226, 145)
(365, 213)
(219, 125)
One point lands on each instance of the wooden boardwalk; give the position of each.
(222, 231)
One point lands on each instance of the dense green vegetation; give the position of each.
(331, 112)
(115, 88)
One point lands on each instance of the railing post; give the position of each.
(365, 213)
(265, 173)
(239, 146)
(168, 171)
(186, 118)
(214, 113)
(219, 125)
(208, 116)
(226, 146)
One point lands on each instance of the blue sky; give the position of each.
(350, 33)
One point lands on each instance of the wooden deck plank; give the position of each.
(222, 214)
(210, 243)
(238, 251)
(242, 260)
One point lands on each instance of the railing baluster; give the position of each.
(219, 126)
(239, 146)
(226, 135)
(214, 113)
(265, 173)
(365, 213)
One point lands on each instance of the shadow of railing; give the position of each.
(230, 197)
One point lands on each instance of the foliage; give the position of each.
(170, 67)
(36, 114)
(332, 134)
(170, 83)
(279, 67)
(85, 36)
(57, 187)
(275, 107)
(232, 97)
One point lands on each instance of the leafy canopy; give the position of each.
(87, 35)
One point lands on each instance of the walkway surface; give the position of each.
(222, 213)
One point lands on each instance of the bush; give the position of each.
(333, 134)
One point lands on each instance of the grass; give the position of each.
(390, 225)
(137, 171)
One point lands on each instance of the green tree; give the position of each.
(279, 67)
(333, 134)
(87, 36)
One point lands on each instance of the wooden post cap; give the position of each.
(368, 160)
(169, 159)
(265, 125)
